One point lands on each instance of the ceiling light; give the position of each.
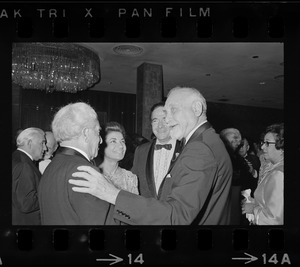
(278, 77)
(54, 66)
(128, 50)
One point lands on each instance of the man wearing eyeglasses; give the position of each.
(76, 128)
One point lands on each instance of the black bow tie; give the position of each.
(166, 146)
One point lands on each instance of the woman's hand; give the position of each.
(248, 208)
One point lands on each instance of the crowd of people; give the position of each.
(188, 174)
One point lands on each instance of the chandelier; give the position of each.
(63, 67)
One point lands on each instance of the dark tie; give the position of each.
(166, 146)
(182, 144)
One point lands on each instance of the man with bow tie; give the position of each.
(196, 189)
(153, 160)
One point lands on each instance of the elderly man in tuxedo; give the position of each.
(152, 160)
(76, 128)
(196, 189)
(26, 176)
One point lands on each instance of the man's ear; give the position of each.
(85, 133)
(29, 143)
(197, 108)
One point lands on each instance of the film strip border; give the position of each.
(148, 22)
(149, 246)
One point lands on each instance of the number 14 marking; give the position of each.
(138, 259)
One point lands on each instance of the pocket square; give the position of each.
(169, 176)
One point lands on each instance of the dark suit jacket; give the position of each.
(196, 190)
(25, 181)
(143, 168)
(254, 161)
(252, 182)
(59, 204)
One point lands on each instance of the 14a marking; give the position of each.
(273, 259)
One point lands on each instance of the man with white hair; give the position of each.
(77, 129)
(51, 145)
(196, 189)
(26, 176)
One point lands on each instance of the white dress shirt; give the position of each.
(161, 160)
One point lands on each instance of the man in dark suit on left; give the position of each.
(77, 130)
(26, 176)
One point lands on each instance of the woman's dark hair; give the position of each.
(277, 130)
(111, 126)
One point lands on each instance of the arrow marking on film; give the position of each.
(252, 258)
(114, 261)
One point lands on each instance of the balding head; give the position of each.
(188, 95)
(231, 137)
(186, 109)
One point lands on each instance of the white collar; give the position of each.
(20, 149)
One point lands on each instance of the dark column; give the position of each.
(149, 92)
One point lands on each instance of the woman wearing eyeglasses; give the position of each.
(267, 205)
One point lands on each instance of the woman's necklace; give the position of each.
(111, 174)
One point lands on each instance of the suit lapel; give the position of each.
(179, 150)
(149, 169)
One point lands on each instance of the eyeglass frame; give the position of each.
(267, 143)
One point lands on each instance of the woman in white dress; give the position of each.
(267, 205)
(112, 151)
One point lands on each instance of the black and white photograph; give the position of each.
(166, 133)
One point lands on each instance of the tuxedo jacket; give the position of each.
(195, 191)
(143, 168)
(252, 183)
(59, 204)
(25, 181)
(254, 161)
